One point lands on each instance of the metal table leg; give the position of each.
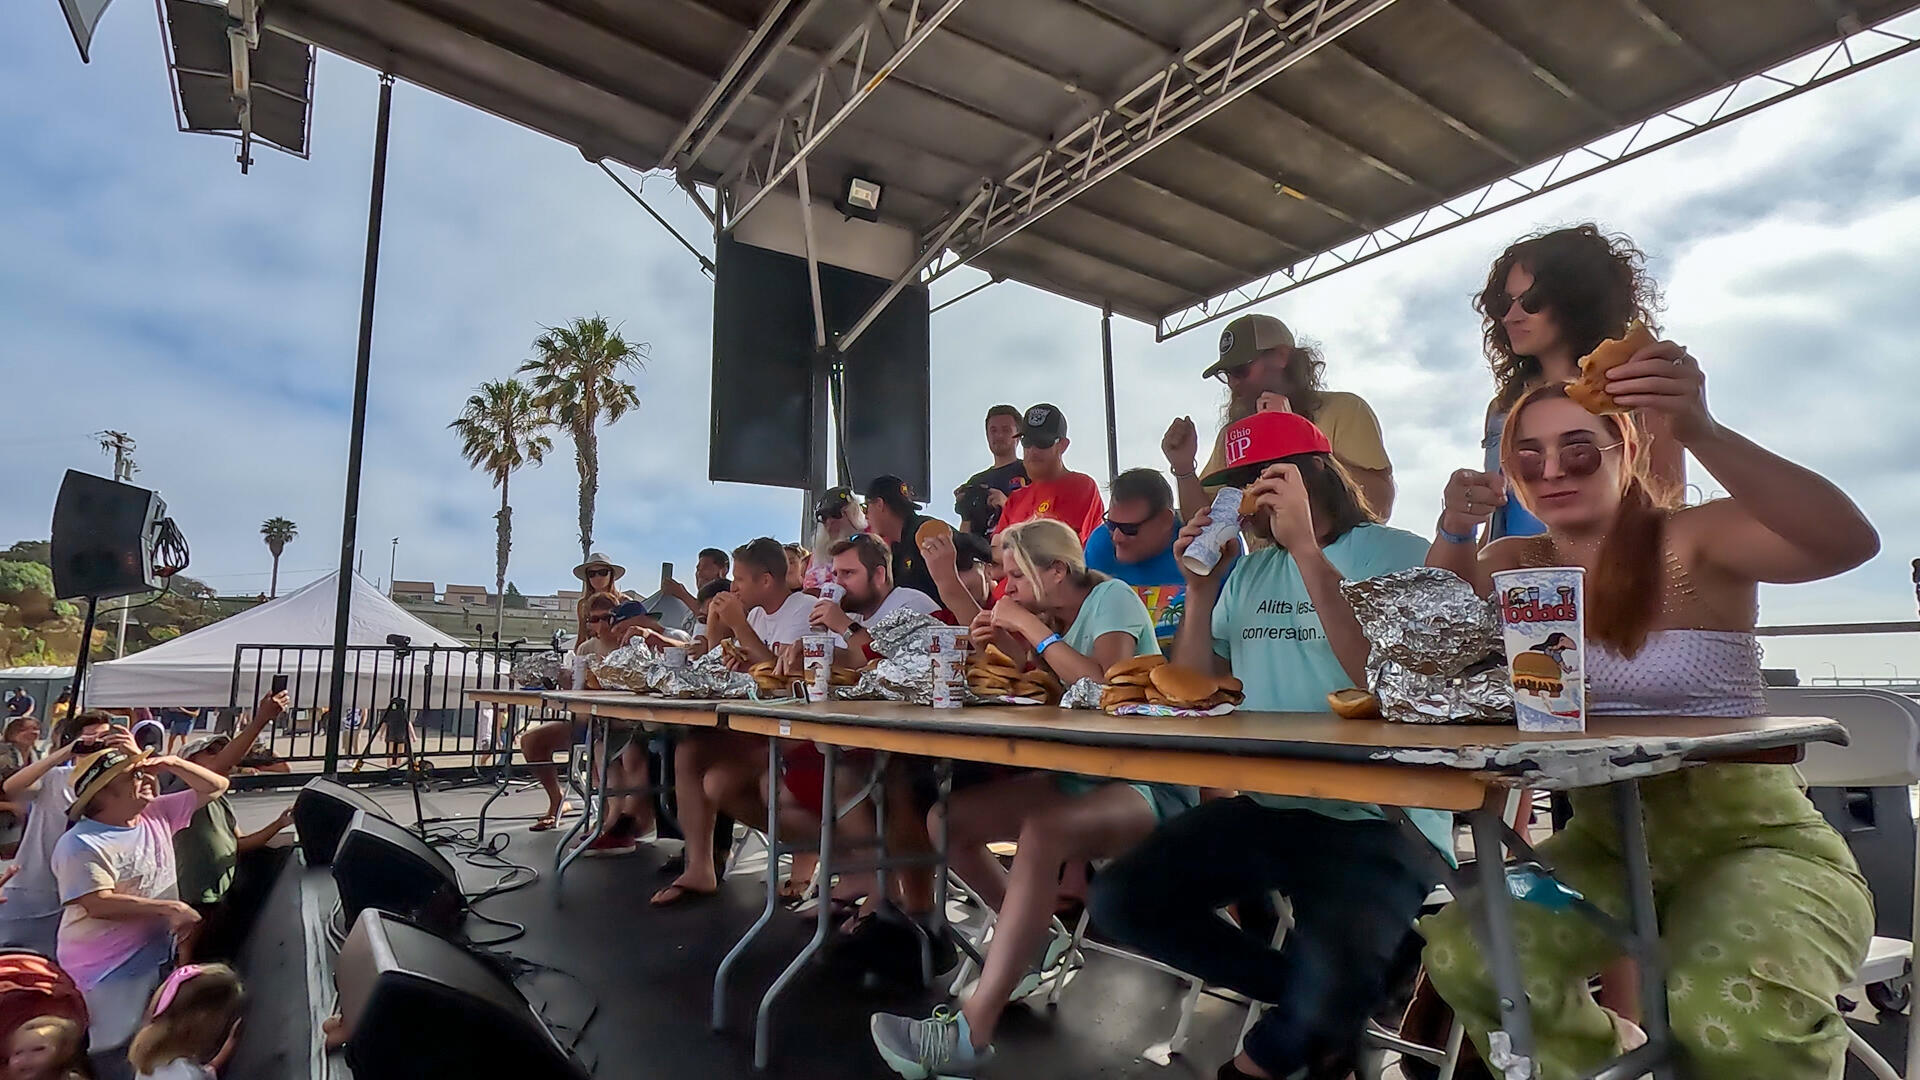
(588, 824)
(763, 1023)
(1646, 925)
(1512, 1045)
(774, 851)
(506, 768)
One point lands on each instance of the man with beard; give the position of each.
(1053, 490)
(862, 566)
(1260, 360)
(1281, 625)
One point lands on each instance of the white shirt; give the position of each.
(785, 626)
(909, 599)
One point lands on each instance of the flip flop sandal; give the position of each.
(545, 823)
(675, 895)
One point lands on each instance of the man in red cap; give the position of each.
(1260, 362)
(1356, 880)
(1053, 490)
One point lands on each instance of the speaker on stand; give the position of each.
(321, 814)
(109, 540)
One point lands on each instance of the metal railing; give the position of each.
(404, 706)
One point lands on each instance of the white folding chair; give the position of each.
(1883, 751)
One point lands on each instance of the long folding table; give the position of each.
(1465, 769)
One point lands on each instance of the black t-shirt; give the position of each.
(909, 569)
(1006, 479)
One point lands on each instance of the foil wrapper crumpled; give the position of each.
(905, 672)
(539, 670)
(1437, 655)
(1083, 694)
(640, 669)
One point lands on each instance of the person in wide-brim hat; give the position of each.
(599, 573)
(94, 772)
(598, 560)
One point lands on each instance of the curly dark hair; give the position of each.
(1593, 282)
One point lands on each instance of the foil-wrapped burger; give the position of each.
(1437, 656)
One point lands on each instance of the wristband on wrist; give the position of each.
(1454, 537)
(1046, 643)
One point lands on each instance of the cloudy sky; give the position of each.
(146, 286)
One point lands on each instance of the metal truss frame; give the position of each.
(1259, 43)
(1718, 108)
(804, 106)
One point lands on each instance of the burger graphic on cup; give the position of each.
(1542, 669)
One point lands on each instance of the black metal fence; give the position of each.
(404, 705)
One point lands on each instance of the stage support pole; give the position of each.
(1106, 373)
(350, 513)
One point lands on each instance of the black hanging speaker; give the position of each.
(382, 865)
(321, 813)
(103, 537)
(415, 1005)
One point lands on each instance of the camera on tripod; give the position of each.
(402, 644)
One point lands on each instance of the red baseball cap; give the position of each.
(1261, 439)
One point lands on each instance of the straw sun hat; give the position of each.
(93, 772)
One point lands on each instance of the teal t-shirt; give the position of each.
(1265, 625)
(1112, 606)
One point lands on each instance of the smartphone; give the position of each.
(666, 572)
(279, 683)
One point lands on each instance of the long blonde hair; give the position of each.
(195, 1022)
(1041, 543)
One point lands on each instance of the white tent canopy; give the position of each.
(196, 670)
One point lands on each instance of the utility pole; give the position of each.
(392, 558)
(121, 446)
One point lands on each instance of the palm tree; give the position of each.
(278, 532)
(500, 430)
(576, 380)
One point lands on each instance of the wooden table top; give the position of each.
(1611, 747)
(529, 698)
(627, 705)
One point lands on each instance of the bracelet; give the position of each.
(1454, 537)
(1177, 475)
(1046, 643)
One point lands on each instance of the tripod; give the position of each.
(397, 711)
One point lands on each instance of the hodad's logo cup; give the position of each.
(816, 652)
(1543, 619)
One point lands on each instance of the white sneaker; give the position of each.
(1046, 967)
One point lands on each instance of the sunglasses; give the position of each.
(591, 619)
(599, 572)
(1531, 302)
(1035, 443)
(1127, 528)
(1576, 460)
(1231, 374)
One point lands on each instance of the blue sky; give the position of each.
(146, 285)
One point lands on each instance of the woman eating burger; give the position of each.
(1078, 623)
(1764, 915)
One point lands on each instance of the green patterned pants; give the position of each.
(1763, 914)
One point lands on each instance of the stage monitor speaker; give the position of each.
(321, 813)
(414, 1005)
(384, 865)
(763, 379)
(103, 537)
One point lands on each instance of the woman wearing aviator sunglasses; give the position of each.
(1549, 300)
(1764, 914)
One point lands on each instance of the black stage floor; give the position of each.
(647, 977)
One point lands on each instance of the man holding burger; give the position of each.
(1356, 880)
(1053, 490)
(1265, 369)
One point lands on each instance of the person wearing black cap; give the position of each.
(1053, 490)
(1265, 368)
(893, 515)
(1281, 625)
(838, 517)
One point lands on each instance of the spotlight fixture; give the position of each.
(860, 198)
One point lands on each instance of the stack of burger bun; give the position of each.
(1151, 680)
(991, 673)
(765, 676)
(1040, 684)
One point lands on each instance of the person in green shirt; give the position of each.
(1356, 880)
(1078, 623)
(207, 852)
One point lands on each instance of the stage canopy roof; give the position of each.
(1176, 159)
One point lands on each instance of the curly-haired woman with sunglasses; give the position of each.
(1550, 298)
(1764, 915)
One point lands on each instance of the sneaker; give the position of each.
(923, 1049)
(1045, 968)
(608, 844)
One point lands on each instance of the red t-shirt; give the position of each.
(1073, 498)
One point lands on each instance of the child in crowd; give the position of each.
(193, 1025)
(45, 1048)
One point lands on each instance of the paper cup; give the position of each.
(816, 652)
(674, 657)
(1543, 620)
(833, 591)
(1203, 554)
(576, 671)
